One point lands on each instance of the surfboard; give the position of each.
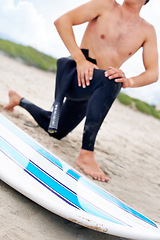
(40, 175)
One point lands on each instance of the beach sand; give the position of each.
(127, 149)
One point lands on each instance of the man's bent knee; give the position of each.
(56, 135)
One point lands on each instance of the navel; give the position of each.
(130, 53)
(102, 36)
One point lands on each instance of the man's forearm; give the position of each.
(85, 68)
(65, 30)
(146, 78)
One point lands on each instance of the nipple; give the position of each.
(102, 36)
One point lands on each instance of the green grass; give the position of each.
(29, 55)
(125, 99)
(140, 105)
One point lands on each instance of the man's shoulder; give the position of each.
(148, 29)
(147, 25)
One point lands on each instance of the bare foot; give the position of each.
(14, 100)
(87, 163)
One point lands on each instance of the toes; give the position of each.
(106, 179)
(96, 174)
(100, 177)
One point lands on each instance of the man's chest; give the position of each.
(122, 38)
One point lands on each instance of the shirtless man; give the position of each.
(114, 33)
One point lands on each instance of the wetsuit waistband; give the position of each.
(86, 54)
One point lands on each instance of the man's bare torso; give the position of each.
(112, 38)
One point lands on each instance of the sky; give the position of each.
(30, 22)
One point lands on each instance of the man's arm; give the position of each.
(79, 15)
(150, 60)
(64, 24)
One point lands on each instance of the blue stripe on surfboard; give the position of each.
(20, 159)
(38, 167)
(73, 174)
(37, 179)
(18, 132)
(70, 172)
(109, 197)
(30, 167)
(48, 181)
(58, 195)
(116, 202)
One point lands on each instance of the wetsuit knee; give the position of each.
(111, 86)
(57, 135)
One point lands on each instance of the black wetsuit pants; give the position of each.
(92, 102)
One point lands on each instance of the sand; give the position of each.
(127, 149)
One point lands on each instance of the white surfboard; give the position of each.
(41, 176)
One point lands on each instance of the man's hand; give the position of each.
(118, 76)
(85, 72)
